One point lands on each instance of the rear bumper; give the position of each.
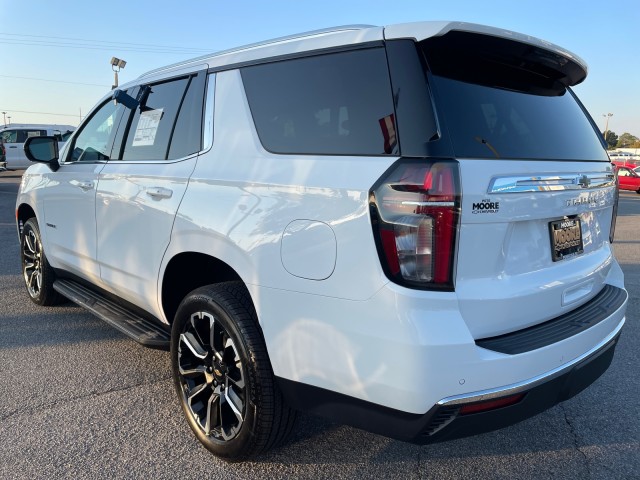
(447, 419)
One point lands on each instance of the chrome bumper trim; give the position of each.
(519, 387)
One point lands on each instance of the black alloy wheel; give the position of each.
(36, 271)
(212, 376)
(223, 376)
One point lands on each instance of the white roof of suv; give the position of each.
(355, 34)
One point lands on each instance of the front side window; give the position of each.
(333, 104)
(94, 141)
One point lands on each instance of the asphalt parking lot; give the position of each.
(81, 400)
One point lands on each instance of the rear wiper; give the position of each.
(489, 146)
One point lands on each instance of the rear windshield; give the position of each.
(499, 107)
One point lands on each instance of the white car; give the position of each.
(14, 136)
(375, 224)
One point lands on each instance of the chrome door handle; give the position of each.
(159, 192)
(85, 186)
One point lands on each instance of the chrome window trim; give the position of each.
(207, 131)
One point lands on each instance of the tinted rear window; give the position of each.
(327, 104)
(490, 122)
(504, 99)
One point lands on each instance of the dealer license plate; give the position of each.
(566, 238)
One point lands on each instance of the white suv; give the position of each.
(407, 229)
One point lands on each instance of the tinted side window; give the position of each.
(187, 135)
(328, 104)
(20, 136)
(153, 123)
(9, 136)
(24, 134)
(93, 143)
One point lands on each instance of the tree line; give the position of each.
(626, 140)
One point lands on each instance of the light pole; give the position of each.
(4, 118)
(116, 65)
(606, 125)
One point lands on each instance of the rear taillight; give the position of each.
(415, 208)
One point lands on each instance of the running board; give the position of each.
(144, 331)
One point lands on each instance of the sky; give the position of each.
(56, 55)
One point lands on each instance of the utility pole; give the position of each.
(606, 125)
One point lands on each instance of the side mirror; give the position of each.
(43, 150)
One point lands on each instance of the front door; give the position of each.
(70, 195)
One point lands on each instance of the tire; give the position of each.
(36, 271)
(223, 376)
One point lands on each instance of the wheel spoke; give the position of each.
(234, 402)
(29, 242)
(32, 277)
(30, 255)
(195, 391)
(212, 413)
(226, 427)
(190, 372)
(196, 321)
(193, 345)
(212, 342)
(238, 383)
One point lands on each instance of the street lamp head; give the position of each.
(117, 63)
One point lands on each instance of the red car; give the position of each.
(628, 178)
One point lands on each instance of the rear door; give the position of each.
(139, 191)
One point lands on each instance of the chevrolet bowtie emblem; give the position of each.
(584, 181)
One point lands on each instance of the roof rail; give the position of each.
(258, 44)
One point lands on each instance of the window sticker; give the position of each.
(147, 128)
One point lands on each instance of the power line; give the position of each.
(56, 81)
(108, 42)
(106, 47)
(31, 40)
(8, 110)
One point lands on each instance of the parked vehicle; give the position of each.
(628, 178)
(3, 157)
(13, 137)
(624, 159)
(375, 224)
